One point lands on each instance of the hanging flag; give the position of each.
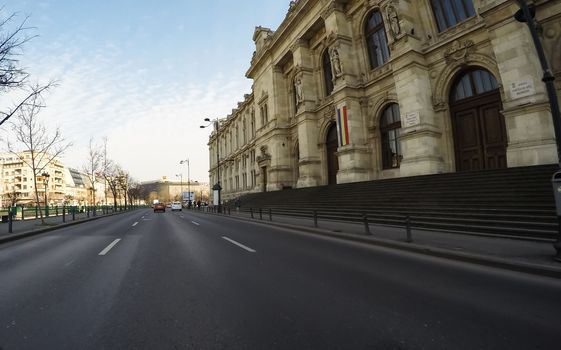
(342, 125)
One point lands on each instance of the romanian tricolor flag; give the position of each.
(342, 125)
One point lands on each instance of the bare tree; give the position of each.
(12, 75)
(92, 168)
(110, 174)
(12, 196)
(32, 138)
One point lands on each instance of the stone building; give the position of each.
(356, 90)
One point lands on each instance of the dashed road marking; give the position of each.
(195, 223)
(239, 244)
(108, 248)
(136, 223)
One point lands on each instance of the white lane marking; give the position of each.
(181, 216)
(108, 248)
(136, 223)
(195, 223)
(239, 244)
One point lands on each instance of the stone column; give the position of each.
(309, 163)
(354, 155)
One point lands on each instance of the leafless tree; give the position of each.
(13, 37)
(92, 168)
(32, 138)
(110, 173)
(12, 196)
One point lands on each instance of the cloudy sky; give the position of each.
(143, 73)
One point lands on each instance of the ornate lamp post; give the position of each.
(188, 182)
(216, 186)
(46, 176)
(526, 15)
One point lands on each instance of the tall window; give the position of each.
(252, 124)
(327, 73)
(376, 40)
(390, 124)
(450, 12)
(473, 83)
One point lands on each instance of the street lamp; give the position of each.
(180, 176)
(217, 186)
(526, 15)
(188, 182)
(46, 176)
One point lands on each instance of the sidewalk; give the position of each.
(29, 227)
(514, 254)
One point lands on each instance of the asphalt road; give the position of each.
(188, 280)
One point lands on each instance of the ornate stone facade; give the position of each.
(315, 73)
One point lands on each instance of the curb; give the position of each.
(21, 235)
(474, 258)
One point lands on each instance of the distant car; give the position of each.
(160, 207)
(176, 206)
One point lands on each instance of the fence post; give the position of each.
(63, 213)
(56, 210)
(366, 226)
(94, 210)
(73, 213)
(251, 212)
(315, 218)
(10, 219)
(270, 215)
(87, 211)
(22, 214)
(36, 212)
(409, 238)
(260, 214)
(229, 210)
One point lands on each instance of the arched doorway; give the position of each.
(478, 126)
(331, 144)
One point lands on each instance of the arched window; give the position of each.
(376, 40)
(327, 73)
(472, 83)
(390, 125)
(448, 13)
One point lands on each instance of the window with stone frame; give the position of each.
(376, 40)
(390, 126)
(448, 13)
(252, 124)
(327, 72)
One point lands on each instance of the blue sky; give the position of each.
(143, 73)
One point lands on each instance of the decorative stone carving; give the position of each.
(336, 65)
(329, 112)
(299, 91)
(393, 20)
(458, 51)
(264, 156)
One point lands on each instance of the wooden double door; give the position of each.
(479, 132)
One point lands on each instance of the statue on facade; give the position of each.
(299, 91)
(336, 62)
(393, 20)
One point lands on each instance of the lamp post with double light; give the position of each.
(526, 15)
(217, 186)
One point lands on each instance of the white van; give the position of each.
(176, 206)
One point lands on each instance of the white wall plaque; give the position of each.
(522, 88)
(411, 119)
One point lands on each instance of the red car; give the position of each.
(160, 207)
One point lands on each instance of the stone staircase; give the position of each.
(515, 202)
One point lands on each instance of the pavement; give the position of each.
(530, 256)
